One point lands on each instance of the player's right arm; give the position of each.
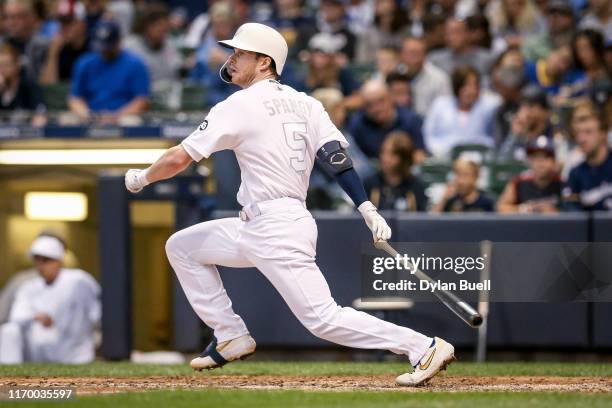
(172, 162)
(218, 132)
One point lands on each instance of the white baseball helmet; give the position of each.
(257, 38)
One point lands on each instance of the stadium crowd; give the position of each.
(449, 105)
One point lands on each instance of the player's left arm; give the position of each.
(337, 161)
(173, 161)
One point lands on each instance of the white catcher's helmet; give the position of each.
(259, 38)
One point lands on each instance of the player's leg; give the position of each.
(287, 259)
(193, 254)
(11, 344)
(44, 344)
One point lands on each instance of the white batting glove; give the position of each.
(136, 180)
(375, 222)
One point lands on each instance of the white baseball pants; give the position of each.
(280, 240)
(36, 343)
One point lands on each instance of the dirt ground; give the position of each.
(91, 385)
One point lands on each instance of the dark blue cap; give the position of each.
(107, 34)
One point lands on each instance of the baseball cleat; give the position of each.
(217, 355)
(437, 357)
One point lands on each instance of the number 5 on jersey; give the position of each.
(295, 137)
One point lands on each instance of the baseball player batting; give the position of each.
(276, 133)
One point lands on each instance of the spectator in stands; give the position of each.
(560, 30)
(67, 45)
(555, 73)
(390, 25)
(467, 117)
(479, 31)
(507, 77)
(428, 81)
(201, 25)
(54, 315)
(512, 20)
(434, 31)
(95, 10)
(47, 18)
(530, 121)
(210, 55)
(110, 82)
(151, 44)
(360, 15)
(608, 55)
(598, 17)
(571, 155)
(394, 187)
(21, 27)
(379, 117)
(588, 51)
(537, 190)
(462, 193)
(459, 52)
(387, 61)
(331, 19)
(325, 70)
(123, 12)
(290, 18)
(17, 90)
(399, 87)
(589, 186)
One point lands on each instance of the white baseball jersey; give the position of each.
(275, 132)
(72, 301)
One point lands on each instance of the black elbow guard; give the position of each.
(334, 158)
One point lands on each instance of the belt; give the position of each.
(254, 210)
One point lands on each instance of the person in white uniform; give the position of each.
(54, 315)
(276, 134)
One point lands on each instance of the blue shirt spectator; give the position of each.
(110, 81)
(110, 85)
(481, 203)
(589, 186)
(380, 117)
(394, 187)
(555, 72)
(593, 184)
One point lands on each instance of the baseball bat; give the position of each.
(448, 298)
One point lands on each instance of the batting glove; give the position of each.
(136, 180)
(375, 222)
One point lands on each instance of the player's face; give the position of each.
(47, 268)
(243, 67)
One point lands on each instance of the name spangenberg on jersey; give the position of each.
(275, 133)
